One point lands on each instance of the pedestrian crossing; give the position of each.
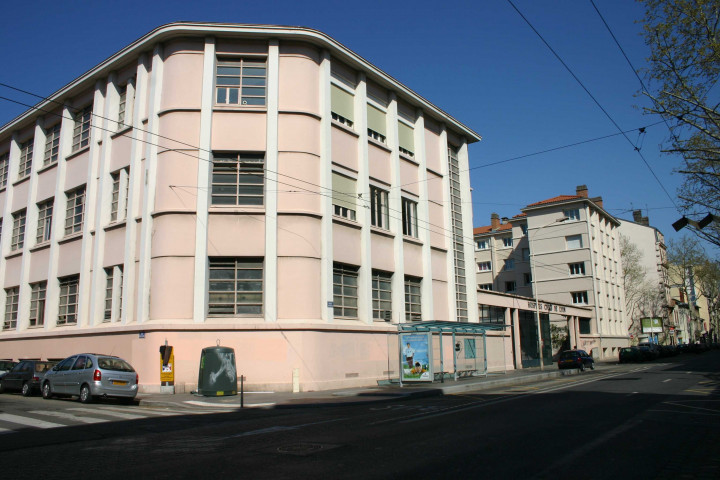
(44, 419)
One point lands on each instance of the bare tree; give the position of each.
(684, 65)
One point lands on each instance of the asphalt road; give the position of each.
(655, 420)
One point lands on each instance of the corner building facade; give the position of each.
(258, 187)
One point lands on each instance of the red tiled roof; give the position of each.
(520, 215)
(488, 229)
(559, 198)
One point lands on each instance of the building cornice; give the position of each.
(200, 29)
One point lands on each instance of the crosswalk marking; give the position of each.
(29, 421)
(109, 413)
(69, 416)
(5, 430)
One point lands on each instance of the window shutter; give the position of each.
(344, 191)
(406, 137)
(376, 120)
(342, 102)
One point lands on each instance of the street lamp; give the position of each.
(535, 290)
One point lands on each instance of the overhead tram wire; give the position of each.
(466, 241)
(596, 102)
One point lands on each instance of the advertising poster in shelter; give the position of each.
(415, 361)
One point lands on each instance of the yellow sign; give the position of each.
(167, 372)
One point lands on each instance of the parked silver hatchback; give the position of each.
(90, 375)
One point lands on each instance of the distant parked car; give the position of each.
(90, 376)
(650, 351)
(25, 377)
(683, 348)
(668, 350)
(575, 359)
(630, 354)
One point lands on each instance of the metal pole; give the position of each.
(242, 392)
(454, 357)
(537, 303)
(442, 360)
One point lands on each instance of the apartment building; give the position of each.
(258, 187)
(562, 250)
(653, 298)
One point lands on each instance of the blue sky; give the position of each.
(478, 61)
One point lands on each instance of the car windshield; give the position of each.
(116, 364)
(41, 367)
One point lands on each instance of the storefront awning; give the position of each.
(450, 327)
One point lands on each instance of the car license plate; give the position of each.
(118, 382)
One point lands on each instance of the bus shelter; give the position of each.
(468, 347)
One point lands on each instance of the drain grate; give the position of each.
(304, 449)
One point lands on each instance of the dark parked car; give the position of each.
(89, 376)
(575, 359)
(6, 366)
(25, 377)
(649, 351)
(630, 354)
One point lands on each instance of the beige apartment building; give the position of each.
(563, 250)
(259, 187)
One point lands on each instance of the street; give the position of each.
(653, 420)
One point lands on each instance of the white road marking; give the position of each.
(281, 428)
(5, 430)
(31, 422)
(665, 381)
(68, 416)
(225, 405)
(109, 413)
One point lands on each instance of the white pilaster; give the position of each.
(363, 216)
(271, 195)
(447, 213)
(326, 225)
(468, 242)
(395, 205)
(7, 219)
(200, 291)
(427, 307)
(151, 158)
(135, 187)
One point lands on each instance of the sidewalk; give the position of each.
(355, 396)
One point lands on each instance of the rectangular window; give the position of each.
(484, 266)
(18, 235)
(4, 165)
(584, 325)
(486, 286)
(527, 278)
(240, 81)
(37, 304)
(344, 196)
(510, 286)
(406, 139)
(491, 314)
(342, 105)
(44, 225)
(507, 242)
(577, 268)
(379, 214)
(482, 245)
(579, 298)
(572, 214)
(75, 211)
(26, 155)
(52, 145)
(81, 129)
(509, 264)
(68, 301)
(115, 197)
(413, 298)
(526, 254)
(235, 286)
(345, 290)
(573, 242)
(12, 295)
(377, 124)
(107, 316)
(238, 178)
(122, 103)
(382, 295)
(409, 218)
(523, 229)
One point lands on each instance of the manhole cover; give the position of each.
(303, 449)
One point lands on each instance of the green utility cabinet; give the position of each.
(218, 375)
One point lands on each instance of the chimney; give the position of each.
(597, 201)
(581, 191)
(637, 216)
(494, 221)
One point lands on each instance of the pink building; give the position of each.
(260, 187)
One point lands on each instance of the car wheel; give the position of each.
(47, 391)
(582, 367)
(592, 365)
(85, 395)
(26, 390)
(2, 390)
